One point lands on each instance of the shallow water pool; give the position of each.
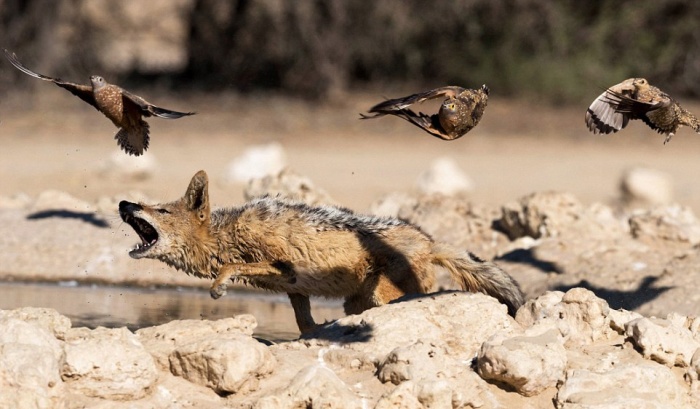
(108, 306)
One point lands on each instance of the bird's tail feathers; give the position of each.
(691, 120)
(134, 141)
(476, 275)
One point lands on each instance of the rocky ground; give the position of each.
(569, 347)
(596, 271)
(563, 350)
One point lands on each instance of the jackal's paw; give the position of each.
(217, 291)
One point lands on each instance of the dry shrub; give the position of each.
(321, 48)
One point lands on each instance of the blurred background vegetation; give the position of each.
(552, 50)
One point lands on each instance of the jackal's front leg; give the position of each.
(228, 271)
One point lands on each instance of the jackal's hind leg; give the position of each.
(302, 312)
(374, 293)
(229, 271)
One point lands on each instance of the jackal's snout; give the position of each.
(128, 208)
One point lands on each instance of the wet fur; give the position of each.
(327, 251)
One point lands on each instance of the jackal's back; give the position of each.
(319, 218)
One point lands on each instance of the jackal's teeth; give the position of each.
(145, 244)
(141, 246)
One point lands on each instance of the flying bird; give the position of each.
(124, 109)
(461, 110)
(635, 98)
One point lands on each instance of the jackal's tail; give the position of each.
(476, 275)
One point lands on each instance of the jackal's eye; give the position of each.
(162, 211)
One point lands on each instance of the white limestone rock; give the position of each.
(662, 341)
(288, 184)
(231, 363)
(641, 186)
(444, 177)
(29, 371)
(314, 386)
(579, 316)
(635, 385)
(541, 214)
(257, 162)
(464, 321)
(530, 364)
(160, 341)
(107, 363)
(673, 223)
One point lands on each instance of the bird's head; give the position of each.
(97, 82)
(640, 83)
(485, 89)
(449, 105)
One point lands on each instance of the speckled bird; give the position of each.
(635, 98)
(123, 108)
(461, 110)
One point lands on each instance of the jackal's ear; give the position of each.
(197, 195)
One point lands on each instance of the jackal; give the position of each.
(286, 246)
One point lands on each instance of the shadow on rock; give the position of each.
(68, 214)
(342, 333)
(628, 300)
(526, 256)
(92, 321)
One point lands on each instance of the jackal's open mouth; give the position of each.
(146, 232)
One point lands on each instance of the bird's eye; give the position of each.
(451, 106)
(162, 211)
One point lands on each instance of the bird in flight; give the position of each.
(635, 98)
(461, 110)
(124, 109)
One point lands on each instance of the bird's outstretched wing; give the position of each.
(628, 105)
(148, 109)
(613, 105)
(602, 117)
(392, 106)
(83, 92)
(652, 112)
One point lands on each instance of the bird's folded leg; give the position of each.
(668, 138)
